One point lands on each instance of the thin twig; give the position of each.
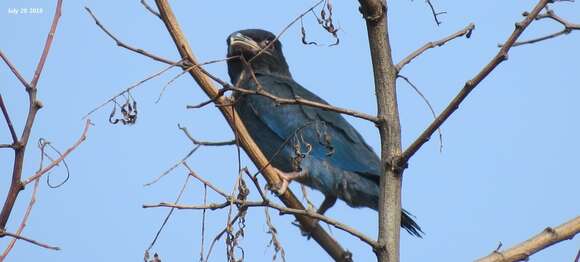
(148, 7)
(283, 210)
(32, 241)
(173, 167)
(14, 70)
(463, 32)
(550, 14)
(8, 121)
(256, 184)
(47, 45)
(201, 251)
(205, 182)
(286, 28)
(123, 45)
(23, 222)
(435, 13)
(168, 214)
(61, 157)
(220, 234)
(205, 143)
(428, 105)
(131, 87)
(185, 70)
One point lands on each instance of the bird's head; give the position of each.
(260, 48)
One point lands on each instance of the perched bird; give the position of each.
(316, 147)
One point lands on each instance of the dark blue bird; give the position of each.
(316, 147)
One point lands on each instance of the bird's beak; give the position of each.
(240, 43)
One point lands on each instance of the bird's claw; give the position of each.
(282, 187)
(303, 232)
(285, 179)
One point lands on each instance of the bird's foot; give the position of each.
(286, 178)
(303, 232)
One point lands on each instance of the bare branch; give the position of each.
(123, 45)
(221, 233)
(242, 204)
(287, 27)
(47, 44)
(435, 14)
(54, 163)
(205, 143)
(8, 121)
(501, 56)
(32, 241)
(34, 105)
(131, 87)
(546, 238)
(205, 182)
(463, 32)
(201, 251)
(14, 70)
(148, 7)
(23, 222)
(428, 105)
(256, 184)
(168, 215)
(173, 167)
(550, 14)
(283, 211)
(185, 70)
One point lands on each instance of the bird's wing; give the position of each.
(332, 137)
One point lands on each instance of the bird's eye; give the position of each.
(265, 43)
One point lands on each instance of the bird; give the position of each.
(315, 147)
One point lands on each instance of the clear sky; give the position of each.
(508, 167)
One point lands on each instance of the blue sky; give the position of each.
(507, 170)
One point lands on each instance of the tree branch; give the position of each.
(33, 106)
(267, 203)
(282, 101)
(32, 241)
(14, 70)
(544, 239)
(123, 45)
(55, 162)
(501, 56)
(47, 44)
(385, 75)
(463, 32)
(550, 14)
(8, 121)
(23, 222)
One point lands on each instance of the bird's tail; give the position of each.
(409, 224)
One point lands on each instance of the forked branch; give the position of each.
(502, 55)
